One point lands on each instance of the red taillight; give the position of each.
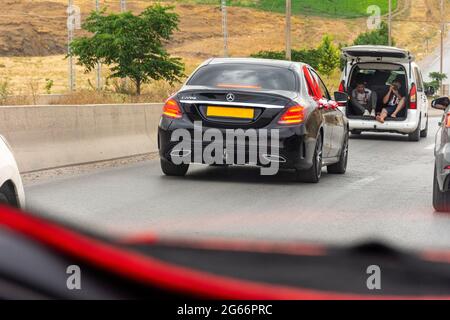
(171, 109)
(293, 115)
(413, 97)
(342, 86)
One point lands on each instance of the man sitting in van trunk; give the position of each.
(363, 100)
(393, 101)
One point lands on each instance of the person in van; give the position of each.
(363, 100)
(393, 101)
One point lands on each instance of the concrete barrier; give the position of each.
(44, 137)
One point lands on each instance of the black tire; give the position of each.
(313, 174)
(170, 169)
(7, 195)
(415, 135)
(341, 166)
(424, 132)
(356, 132)
(441, 200)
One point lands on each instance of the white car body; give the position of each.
(9, 173)
(382, 55)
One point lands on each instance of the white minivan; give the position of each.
(377, 67)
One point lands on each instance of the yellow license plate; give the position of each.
(227, 112)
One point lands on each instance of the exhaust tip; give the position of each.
(180, 153)
(274, 158)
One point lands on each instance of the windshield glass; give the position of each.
(166, 120)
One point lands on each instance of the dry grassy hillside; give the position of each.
(33, 36)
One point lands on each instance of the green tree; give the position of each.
(436, 80)
(378, 36)
(132, 45)
(329, 56)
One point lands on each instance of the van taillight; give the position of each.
(171, 109)
(342, 86)
(413, 97)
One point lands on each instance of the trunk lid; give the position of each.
(233, 108)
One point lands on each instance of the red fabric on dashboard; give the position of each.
(153, 272)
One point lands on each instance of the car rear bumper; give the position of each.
(400, 126)
(294, 151)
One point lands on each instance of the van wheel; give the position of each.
(415, 135)
(8, 196)
(441, 200)
(424, 132)
(313, 174)
(341, 166)
(171, 169)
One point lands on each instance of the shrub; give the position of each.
(325, 58)
(4, 90)
(378, 36)
(309, 56)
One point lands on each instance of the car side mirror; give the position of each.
(430, 91)
(341, 98)
(440, 103)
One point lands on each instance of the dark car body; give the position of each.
(441, 187)
(282, 85)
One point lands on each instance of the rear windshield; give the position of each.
(244, 76)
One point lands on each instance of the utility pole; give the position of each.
(70, 35)
(123, 8)
(223, 8)
(288, 29)
(441, 68)
(390, 23)
(99, 65)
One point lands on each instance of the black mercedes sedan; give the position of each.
(242, 111)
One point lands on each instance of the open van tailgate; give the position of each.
(377, 53)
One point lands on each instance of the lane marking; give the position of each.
(430, 147)
(364, 181)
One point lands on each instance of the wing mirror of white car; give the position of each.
(440, 103)
(341, 98)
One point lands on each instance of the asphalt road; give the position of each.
(433, 62)
(386, 194)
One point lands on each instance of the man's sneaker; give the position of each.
(366, 113)
(372, 113)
